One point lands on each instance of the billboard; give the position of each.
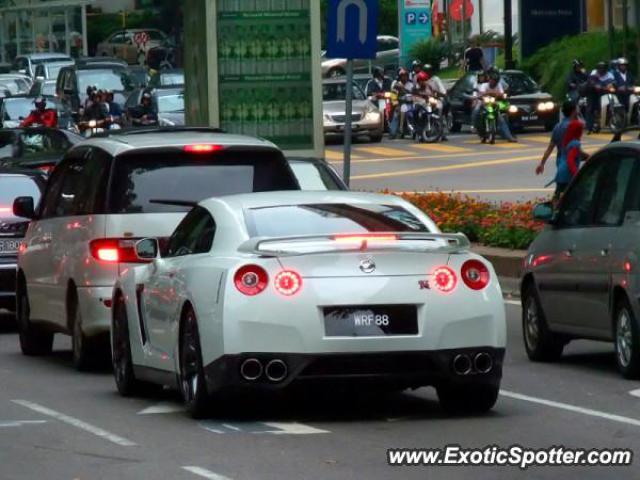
(414, 25)
(543, 21)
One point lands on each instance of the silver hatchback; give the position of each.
(582, 274)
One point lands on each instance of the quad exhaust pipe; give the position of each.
(483, 362)
(251, 369)
(480, 363)
(462, 364)
(276, 370)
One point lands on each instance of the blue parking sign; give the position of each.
(352, 29)
(410, 18)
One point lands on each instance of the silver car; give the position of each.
(387, 58)
(582, 274)
(367, 119)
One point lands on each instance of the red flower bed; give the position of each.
(507, 225)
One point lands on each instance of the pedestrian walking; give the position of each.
(572, 156)
(569, 114)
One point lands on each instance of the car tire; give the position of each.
(627, 340)
(192, 379)
(456, 127)
(121, 357)
(468, 399)
(89, 353)
(377, 138)
(33, 341)
(540, 343)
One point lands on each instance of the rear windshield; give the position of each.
(194, 177)
(333, 218)
(12, 187)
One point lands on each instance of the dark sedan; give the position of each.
(14, 184)
(40, 148)
(535, 107)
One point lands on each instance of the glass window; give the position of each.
(321, 219)
(576, 209)
(613, 189)
(171, 103)
(140, 178)
(338, 92)
(155, 35)
(117, 38)
(48, 208)
(194, 234)
(71, 186)
(312, 176)
(14, 186)
(117, 81)
(520, 84)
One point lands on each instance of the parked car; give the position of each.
(167, 78)
(337, 293)
(40, 147)
(27, 64)
(72, 83)
(316, 174)
(50, 70)
(581, 276)
(106, 193)
(15, 109)
(140, 75)
(168, 102)
(366, 117)
(13, 184)
(387, 58)
(122, 44)
(16, 84)
(43, 87)
(535, 108)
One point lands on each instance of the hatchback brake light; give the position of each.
(115, 250)
(475, 274)
(202, 148)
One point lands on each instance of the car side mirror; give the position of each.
(544, 212)
(147, 249)
(24, 207)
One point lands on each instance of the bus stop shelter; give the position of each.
(28, 26)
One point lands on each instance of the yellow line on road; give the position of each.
(433, 147)
(506, 146)
(536, 138)
(334, 155)
(384, 151)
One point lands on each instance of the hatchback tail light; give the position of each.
(475, 274)
(115, 250)
(288, 282)
(251, 280)
(444, 279)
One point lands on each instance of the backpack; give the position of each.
(563, 174)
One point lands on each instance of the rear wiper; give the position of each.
(177, 203)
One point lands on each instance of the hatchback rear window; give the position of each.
(327, 219)
(140, 178)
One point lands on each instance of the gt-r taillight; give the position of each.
(287, 283)
(251, 280)
(444, 279)
(475, 274)
(115, 250)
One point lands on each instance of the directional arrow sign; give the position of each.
(352, 29)
(423, 18)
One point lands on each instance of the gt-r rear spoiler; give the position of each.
(330, 243)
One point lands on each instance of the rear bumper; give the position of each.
(96, 315)
(410, 369)
(8, 285)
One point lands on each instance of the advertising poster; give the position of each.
(264, 70)
(415, 25)
(543, 21)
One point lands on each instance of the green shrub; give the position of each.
(431, 51)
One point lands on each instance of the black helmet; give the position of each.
(601, 66)
(378, 72)
(40, 100)
(145, 95)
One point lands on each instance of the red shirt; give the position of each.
(47, 118)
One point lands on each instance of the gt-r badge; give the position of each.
(368, 266)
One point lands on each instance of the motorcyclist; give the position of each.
(401, 87)
(378, 85)
(493, 88)
(599, 82)
(576, 81)
(439, 91)
(95, 110)
(624, 82)
(41, 116)
(115, 110)
(416, 68)
(144, 114)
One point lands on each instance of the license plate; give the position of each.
(9, 246)
(530, 118)
(370, 321)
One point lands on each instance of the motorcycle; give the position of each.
(92, 127)
(615, 113)
(492, 109)
(429, 126)
(384, 102)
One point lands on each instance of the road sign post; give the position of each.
(352, 32)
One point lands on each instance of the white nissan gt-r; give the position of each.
(270, 290)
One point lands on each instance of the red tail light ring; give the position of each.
(445, 279)
(288, 283)
(251, 280)
(475, 275)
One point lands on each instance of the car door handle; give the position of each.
(605, 252)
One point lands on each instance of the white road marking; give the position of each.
(513, 302)
(635, 393)
(164, 407)
(231, 427)
(293, 428)
(75, 422)
(572, 408)
(204, 473)
(19, 423)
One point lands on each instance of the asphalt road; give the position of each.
(504, 171)
(56, 423)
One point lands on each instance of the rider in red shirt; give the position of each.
(41, 116)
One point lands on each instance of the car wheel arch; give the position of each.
(618, 295)
(526, 282)
(186, 307)
(71, 303)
